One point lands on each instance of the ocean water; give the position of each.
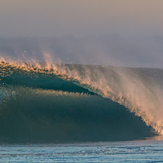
(80, 113)
(130, 151)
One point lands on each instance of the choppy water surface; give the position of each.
(131, 151)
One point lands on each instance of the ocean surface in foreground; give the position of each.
(128, 151)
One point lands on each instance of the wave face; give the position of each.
(50, 103)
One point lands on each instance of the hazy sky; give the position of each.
(110, 32)
(80, 17)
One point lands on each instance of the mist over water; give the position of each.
(109, 50)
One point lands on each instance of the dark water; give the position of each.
(40, 106)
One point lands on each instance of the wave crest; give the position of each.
(140, 90)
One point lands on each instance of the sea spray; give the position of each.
(133, 88)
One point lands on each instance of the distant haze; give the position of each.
(108, 50)
(79, 17)
(105, 32)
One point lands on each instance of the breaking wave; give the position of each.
(46, 102)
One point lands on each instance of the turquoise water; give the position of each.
(130, 151)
